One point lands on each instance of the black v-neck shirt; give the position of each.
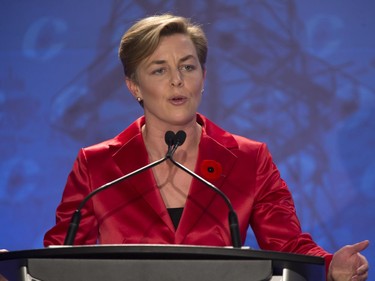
(175, 214)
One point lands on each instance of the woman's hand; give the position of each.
(348, 264)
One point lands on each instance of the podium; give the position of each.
(158, 262)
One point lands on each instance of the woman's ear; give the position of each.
(133, 88)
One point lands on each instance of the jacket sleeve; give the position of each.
(274, 219)
(77, 187)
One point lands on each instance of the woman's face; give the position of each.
(170, 82)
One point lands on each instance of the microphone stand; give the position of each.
(173, 141)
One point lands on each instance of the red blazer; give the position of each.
(133, 211)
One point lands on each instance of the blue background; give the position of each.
(298, 75)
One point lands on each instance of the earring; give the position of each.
(140, 101)
(202, 91)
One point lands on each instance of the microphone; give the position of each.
(178, 139)
(76, 217)
(169, 140)
(232, 216)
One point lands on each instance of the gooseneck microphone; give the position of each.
(76, 217)
(232, 216)
(173, 141)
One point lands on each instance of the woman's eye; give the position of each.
(188, 67)
(158, 71)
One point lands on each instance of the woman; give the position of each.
(164, 63)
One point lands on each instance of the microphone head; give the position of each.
(169, 138)
(180, 137)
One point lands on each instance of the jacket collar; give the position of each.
(129, 154)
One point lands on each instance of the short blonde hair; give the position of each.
(141, 40)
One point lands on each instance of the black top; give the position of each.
(175, 214)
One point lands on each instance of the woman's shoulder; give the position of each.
(132, 132)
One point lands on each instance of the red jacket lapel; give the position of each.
(200, 195)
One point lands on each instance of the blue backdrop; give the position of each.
(298, 75)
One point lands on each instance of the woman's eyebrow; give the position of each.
(159, 62)
(185, 58)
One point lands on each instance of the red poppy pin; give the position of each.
(211, 170)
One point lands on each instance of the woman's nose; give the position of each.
(176, 79)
